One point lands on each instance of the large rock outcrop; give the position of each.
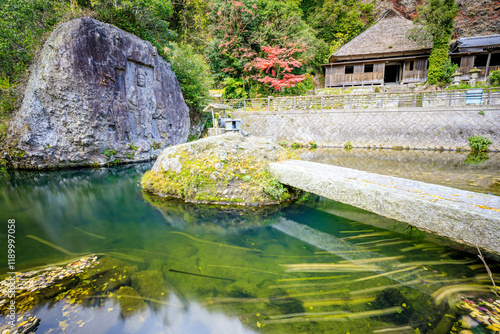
(229, 169)
(97, 95)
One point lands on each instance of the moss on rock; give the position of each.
(130, 301)
(150, 284)
(227, 169)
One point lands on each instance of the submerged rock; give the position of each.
(111, 274)
(150, 284)
(130, 301)
(227, 169)
(97, 95)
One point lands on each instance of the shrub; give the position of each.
(494, 78)
(479, 143)
(8, 99)
(348, 146)
(476, 158)
(234, 89)
(109, 153)
(448, 69)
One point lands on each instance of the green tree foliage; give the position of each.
(23, 25)
(147, 19)
(234, 88)
(190, 21)
(233, 43)
(435, 19)
(193, 74)
(336, 23)
(343, 19)
(241, 29)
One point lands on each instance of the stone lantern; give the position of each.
(456, 78)
(473, 75)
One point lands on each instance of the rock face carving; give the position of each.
(97, 95)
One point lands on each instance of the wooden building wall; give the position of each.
(467, 64)
(419, 72)
(336, 76)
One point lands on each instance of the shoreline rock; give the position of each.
(225, 170)
(97, 96)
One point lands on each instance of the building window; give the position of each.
(368, 68)
(411, 63)
(349, 69)
(480, 60)
(456, 60)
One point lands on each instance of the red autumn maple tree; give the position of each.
(277, 67)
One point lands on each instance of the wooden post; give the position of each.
(489, 96)
(294, 105)
(415, 100)
(245, 105)
(487, 65)
(269, 104)
(382, 100)
(321, 102)
(451, 96)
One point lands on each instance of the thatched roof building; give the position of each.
(384, 54)
(389, 36)
(380, 55)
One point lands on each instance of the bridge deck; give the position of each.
(463, 216)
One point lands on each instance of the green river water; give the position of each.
(316, 266)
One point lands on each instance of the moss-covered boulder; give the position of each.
(150, 284)
(130, 301)
(227, 169)
(110, 274)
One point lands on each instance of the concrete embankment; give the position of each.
(463, 216)
(434, 128)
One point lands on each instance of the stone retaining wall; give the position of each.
(415, 128)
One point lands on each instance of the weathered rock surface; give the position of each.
(463, 216)
(97, 95)
(227, 169)
(475, 17)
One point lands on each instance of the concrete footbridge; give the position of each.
(463, 216)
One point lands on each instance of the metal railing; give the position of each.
(474, 96)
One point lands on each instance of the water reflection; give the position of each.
(476, 158)
(171, 318)
(202, 269)
(453, 169)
